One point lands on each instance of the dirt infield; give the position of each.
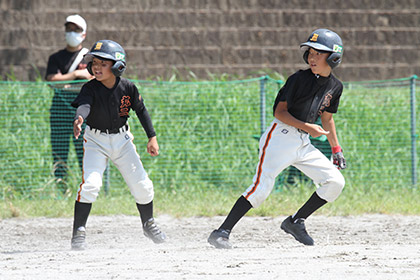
(359, 247)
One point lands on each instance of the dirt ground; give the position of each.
(355, 247)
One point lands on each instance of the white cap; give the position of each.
(78, 20)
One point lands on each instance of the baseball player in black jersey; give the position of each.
(104, 103)
(306, 95)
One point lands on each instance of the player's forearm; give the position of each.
(329, 125)
(285, 117)
(146, 121)
(332, 139)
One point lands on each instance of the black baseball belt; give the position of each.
(111, 131)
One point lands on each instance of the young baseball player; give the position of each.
(306, 95)
(104, 103)
(66, 65)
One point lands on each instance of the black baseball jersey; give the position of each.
(308, 95)
(105, 108)
(61, 61)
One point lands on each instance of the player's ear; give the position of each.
(334, 60)
(118, 68)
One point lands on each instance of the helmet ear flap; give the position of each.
(334, 60)
(305, 56)
(118, 68)
(89, 68)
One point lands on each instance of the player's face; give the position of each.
(102, 69)
(318, 63)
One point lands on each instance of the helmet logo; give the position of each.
(337, 48)
(314, 37)
(98, 46)
(119, 56)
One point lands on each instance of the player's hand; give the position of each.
(153, 147)
(77, 127)
(316, 130)
(338, 158)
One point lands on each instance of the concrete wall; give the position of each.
(239, 37)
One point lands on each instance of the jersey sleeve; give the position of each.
(83, 111)
(83, 102)
(85, 96)
(136, 98)
(142, 113)
(335, 102)
(286, 92)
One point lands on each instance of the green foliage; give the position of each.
(374, 129)
(187, 202)
(208, 153)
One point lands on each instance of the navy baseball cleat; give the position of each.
(298, 230)
(151, 230)
(78, 241)
(219, 238)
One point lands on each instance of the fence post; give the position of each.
(413, 130)
(262, 104)
(107, 179)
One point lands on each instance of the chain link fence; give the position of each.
(207, 132)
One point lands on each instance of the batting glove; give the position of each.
(338, 157)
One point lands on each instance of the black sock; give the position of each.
(313, 204)
(81, 214)
(146, 211)
(240, 208)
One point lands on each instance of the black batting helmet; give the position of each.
(108, 50)
(325, 40)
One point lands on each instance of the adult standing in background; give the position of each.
(66, 65)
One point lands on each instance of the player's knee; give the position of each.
(341, 182)
(339, 186)
(331, 189)
(143, 198)
(88, 193)
(143, 191)
(89, 189)
(87, 197)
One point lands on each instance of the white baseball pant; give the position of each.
(98, 148)
(283, 145)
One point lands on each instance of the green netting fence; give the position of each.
(208, 135)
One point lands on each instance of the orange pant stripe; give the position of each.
(257, 181)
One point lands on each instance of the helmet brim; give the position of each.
(89, 56)
(316, 46)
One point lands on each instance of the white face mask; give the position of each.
(74, 39)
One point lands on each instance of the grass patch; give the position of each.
(210, 202)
